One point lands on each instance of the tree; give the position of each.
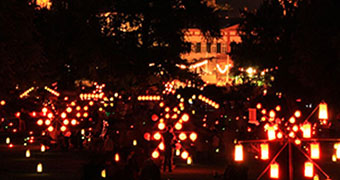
(128, 43)
(21, 55)
(298, 38)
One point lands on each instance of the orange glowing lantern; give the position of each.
(182, 136)
(44, 110)
(69, 109)
(161, 126)
(50, 115)
(62, 128)
(86, 114)
(272, 114)
(271, 133)
(157, 136)
(263, 111)
(161, 146)
(258, 106)
(66, 122)
(47, 122)
(155, 154)
(117, 158)
(323, 113)
(86, 108)
(185, 155)
(264, 151)
(50, 128)
(147, 136)
(17, 114)
(306, 130)
(309, 169)
(292, 120)
(40, 122)
(193, 136)
(278, 108)
(274, 171)
(315, 150)
(279, 135)
(238, 153)
(73, 122)
(185, 117)
(34, 114)
(63, 115)
(295, 128)
(178, 126)
(297, 113)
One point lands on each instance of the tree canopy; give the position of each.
(299, 37)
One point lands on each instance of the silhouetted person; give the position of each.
(168, 136)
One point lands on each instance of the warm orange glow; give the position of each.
(47, 122)
(42, 148)
(323, 113)
(278, 108)
(306, 130)
(238, 153)
(17, 114)
(3, 102)
(185, 155)
(69, 109)
(167, 109)
(50, 115)
(178, 126)
(44, 110)
(279, 135)
(271, 133)
(337, 147)
(297, 141)
(272, 114)
(161, 146)
(264, 151)
(78, 115)
(193, 136)
(295, 128)
(292, 120)
(263, 111)
(40, 122)
(309, 169)
(86, 114)
(73, 122)
(297, 113)
(86, 108)
(161, 126)
(155, 154)
(258, 106)
(117, 158)
(63, 128)
(291, 134)
(91, 103)
(157, 136)
(63, 115)
(185, 117)
(39, 168)
(182, 136)
(34, 114)
(161, 104)
(274, 171)
(315, 150)
(50, 128)
(167, 116)
(66, 122)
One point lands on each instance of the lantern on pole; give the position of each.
(39, 168)
(315, 150)
(309, 169)
(103, 173)
(28, 153)
(274, 171)
(323, 113)
(264, 151)
(238, 153)
(271, 133)
(306, 130)
(117, 158)
(337, 148)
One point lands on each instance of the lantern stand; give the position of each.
(288, 142)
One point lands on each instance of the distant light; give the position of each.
(238, 153)
(103, 173)
(274, 171)
(28, 153)
(39, 168)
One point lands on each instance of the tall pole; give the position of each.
(290, 161)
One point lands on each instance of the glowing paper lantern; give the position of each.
(42, 148)
(69, 109)
(155, 154)
(297, 113)
(306, 130)
(8, 140)
(185, 117)
(157, 136)
(50, 128)
(182, 136)
(40, 122)
(337, 147)
(271, 133)
(185, 155)
(238, 152)
(39, 168)
(117, 158)
(66, 122)
(63, 128)
(103, 173)
(309, 169)
(161, 146)
(193, 136)
(47, 122)
(178, 126)
(315, 150)
(274, 171)
(258, 106)
(323, 113)
(134, 142)
(264, 151)
(272, 114)
(189, 161)
(73, 122)
(28, 153)
(252, 116)
(178, 152)
(63, 115)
